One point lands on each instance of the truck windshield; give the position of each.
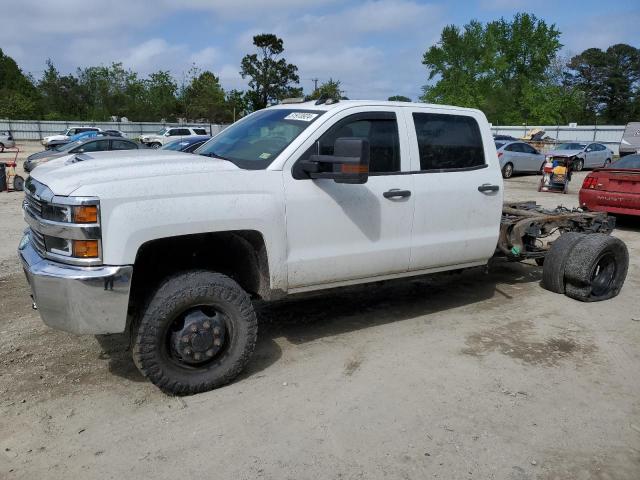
(254, 142)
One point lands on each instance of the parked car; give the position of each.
(187, 145)
(585, 155)
(85, 135)
(517, 157)
(6, 140)
(73, 138)
(503, 137)
(168, 134)
(614, 189)
(93, 144)
(630, 142)
(290, 199)
(69, 132)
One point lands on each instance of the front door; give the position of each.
(458, 188)
(342, 232)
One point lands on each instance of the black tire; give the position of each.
(1, 147)
(155, 145)
(158, 332)
(507, 170)
(607, 162)
(579, 165)
(556, 259)
(18, 183)
(597, 268)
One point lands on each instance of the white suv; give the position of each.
(69, 132)
(168, 134)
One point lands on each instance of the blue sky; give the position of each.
(373, 47)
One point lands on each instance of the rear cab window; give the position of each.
(448, 142)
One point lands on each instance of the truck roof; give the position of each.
(344, 104)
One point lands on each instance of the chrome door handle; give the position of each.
(487, 187)
(395, 192)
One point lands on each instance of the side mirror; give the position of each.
(348, 164)
(166, 134)
(589, 149)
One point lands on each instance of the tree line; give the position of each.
(510, 69)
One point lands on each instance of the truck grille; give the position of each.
(33, 204)
(37, 240)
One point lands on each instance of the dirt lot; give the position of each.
(470, 376)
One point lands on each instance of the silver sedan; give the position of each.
(586, 155)
(516, 156)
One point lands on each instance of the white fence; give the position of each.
(609, 135)
(36, 129)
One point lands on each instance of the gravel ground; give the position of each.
(469, 376)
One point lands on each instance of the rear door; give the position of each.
(339, 232)
(457, 185)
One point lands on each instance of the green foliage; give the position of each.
(399, 98)
(20, 99)
(610, 81)
(328, 89)
(270, 76)
(203, 98)
(502, 67)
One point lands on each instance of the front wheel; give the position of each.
(607, 162)
(579, 165)
(155, 145)
(507, 171)
(197, 333)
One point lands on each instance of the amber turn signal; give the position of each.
(85, 214)
(85, 248)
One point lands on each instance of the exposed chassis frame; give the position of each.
(527, 229)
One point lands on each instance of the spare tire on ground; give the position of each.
(596, 268)
(556, 259)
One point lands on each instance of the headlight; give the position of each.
(65, 229)
(70, 213)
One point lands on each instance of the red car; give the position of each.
(615, 189)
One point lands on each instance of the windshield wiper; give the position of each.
(214, 154)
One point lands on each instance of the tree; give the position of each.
(20, 99)
(237, 104)
(501, 67)
(328, 89)
(399, 98)
(270, 76)
(203, 97)
(610, 81)
(160, 96)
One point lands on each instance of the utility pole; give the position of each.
(315, 83)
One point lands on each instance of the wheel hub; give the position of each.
(200, 338)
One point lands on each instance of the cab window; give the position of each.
(448, 142)
(379, 128)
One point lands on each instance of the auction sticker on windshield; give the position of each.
(301, 116)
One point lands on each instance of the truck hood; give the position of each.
(564, 153)
(66, 174)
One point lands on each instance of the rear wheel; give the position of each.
(556, 260)
(596, 268)
(197, 333)
(507, 171)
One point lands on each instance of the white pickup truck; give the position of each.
(174, 247)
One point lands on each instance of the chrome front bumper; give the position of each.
(82, 300)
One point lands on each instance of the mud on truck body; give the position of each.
(174, 248)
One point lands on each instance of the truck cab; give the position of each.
(174, 247)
